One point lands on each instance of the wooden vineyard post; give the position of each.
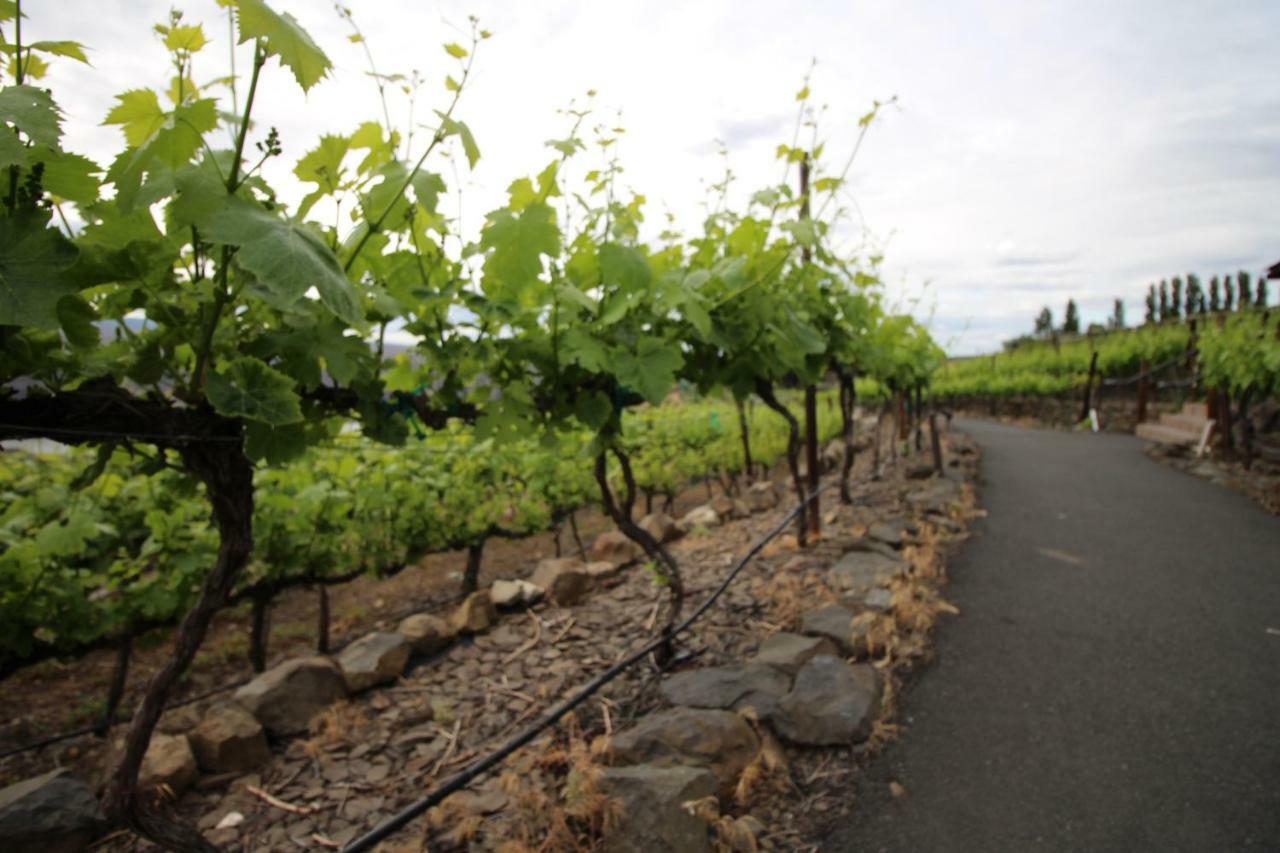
(1143, 367)
(935, 441)
(1088, 386)
(811, 457)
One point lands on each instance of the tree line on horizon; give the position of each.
(1171, 299)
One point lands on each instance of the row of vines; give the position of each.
(1236, 353)
(213, 344)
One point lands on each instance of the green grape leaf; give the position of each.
(77, 318)
(94, 469)
(282, 37)
(12, 151)
(67, 175)
(450, 126)
(139, 115)
(624, 266)
(322, 165)
(66, 537)
(249, 388)
(516, 243)
(651, 369)
(185, 37)
(274, 444)
(593, 409)
(580, 347)
(33, 262)
(427, 187)
(33, 112)
(286, 258)
(70, 49)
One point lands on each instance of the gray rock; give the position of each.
(879, 600)
(788, 652)
(565, 579)
(286, 697)
(229, 739)
(700, 516)
(935, 496)
(377, 658)
(661, 527)
(601, 570)
(834, 623)
(831, 703)
(613, 546)
(754, 685)
(727, 507)
(919, 471)
(889, 532)
(858, 572)
(653, 814)
(426, 633)
(516, 593)
(169, 761)
(761, 497)
(721, 741)
(475, 615)
(51, 813)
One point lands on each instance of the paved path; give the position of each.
(1113, 682)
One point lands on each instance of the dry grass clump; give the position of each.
(552, 805)
(337, 724)
(786, 596)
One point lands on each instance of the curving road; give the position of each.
(1113, 682)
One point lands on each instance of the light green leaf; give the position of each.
(517, 243)
(70, 49)
(33, 112)
(33, 260)
(139, 113)
(455, 50)
(185, 37)
(322, 165)
(450, 127)
(427, 187)
(283, 37)
(249, 388)
(593, 409)
(624, 267)
(286, 258)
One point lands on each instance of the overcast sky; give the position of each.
(1038, 150)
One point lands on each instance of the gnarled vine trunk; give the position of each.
(848, 404)
(764, 391)
(622, 514)
(228, 479)
(747, 466)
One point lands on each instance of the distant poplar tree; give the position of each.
(1151, 304)
(1215, 295)
(1195, 296)
(1228, 294)
(1117, 314)
(1175, 301)
(1164, 300)
(1262, 296)
(1044, 322)
(1071, 322)
(1244, 298)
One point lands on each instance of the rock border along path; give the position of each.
(399, 708)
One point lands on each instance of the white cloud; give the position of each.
(1037, 151)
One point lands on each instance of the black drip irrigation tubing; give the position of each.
(480, 766)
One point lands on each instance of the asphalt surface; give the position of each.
(1113, 680)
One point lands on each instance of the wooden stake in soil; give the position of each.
(811, 457)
